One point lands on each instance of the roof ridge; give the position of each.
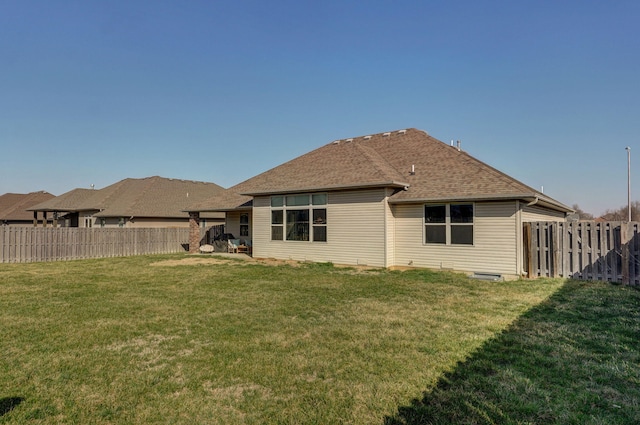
(501, 175)
(372, 135)
(137, 200)
(378, 161)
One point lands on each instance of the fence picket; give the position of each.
(607, 251)
(31, 244)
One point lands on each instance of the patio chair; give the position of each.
(232, 246)
(244, 247)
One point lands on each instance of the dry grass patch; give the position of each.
(243, 260)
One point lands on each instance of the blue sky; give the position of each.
(92, 92)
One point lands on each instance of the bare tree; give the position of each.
(582, 214)
(622, 213)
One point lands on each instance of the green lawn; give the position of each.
(155, 340)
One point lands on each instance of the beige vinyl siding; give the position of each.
(355, 231)
(537, 213)
(494, 249)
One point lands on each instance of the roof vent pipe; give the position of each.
(413, 169)
(458, 145)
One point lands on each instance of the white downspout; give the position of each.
(385, 205)
(519, 239)
(535, 201)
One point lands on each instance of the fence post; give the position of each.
(624, 242)
(555, 237)
(527, 249)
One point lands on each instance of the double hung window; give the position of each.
(299, 218)
(450, 224)
(244, 224)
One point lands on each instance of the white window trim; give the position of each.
(448, 224)
(310, 206)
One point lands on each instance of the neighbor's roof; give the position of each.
(15, 206)
(422, 167)
(74, 200)
(147, 197)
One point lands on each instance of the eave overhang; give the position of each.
(247, 206)
(531, 198)
(65, 210)
(393, 184)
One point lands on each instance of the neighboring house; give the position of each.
(147, 202)
(14, 207)
(396, 199)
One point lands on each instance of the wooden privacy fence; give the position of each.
(588, 250)
(32, 244)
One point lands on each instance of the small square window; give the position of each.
(462, 213)
(277, 217)
(320, 216)
(319, 233)
(319, 199)
(277, 201)
(435, 214)
(436, 234)
(462, 235)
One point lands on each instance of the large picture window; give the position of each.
(450, 224)
(298, 218)
(297, 225)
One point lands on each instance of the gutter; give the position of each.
(531, 198)
(392, 183)
(535, 201)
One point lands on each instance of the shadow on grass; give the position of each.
(574, 359)
(7, 404)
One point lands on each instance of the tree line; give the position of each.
(619, 214)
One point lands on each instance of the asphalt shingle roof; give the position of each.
(14, 206)
(440, 172)
(147, 197)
